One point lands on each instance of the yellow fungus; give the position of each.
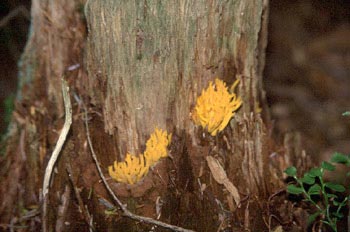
(134, 168)
(156, 146)
(216, 106)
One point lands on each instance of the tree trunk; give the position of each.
(143, 66)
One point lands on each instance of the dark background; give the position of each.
(14, 28)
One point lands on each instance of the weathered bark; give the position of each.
(145, 64)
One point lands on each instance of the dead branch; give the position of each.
(56, 151)
(122, 206)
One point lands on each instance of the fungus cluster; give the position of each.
(134, 168)
(216, 106)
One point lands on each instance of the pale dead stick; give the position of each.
(56, 151)
(220, 176)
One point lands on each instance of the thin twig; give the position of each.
(123, 207)
(56, 151)
(84, 211)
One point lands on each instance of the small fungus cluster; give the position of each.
(134, 168)
(156, 146)
(130, 171)
(216, 106)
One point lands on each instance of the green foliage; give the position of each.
(341, 159)
(347, 113)
(324, 196)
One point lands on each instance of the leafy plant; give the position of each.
(324, 196)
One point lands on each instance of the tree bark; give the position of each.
(142, 66)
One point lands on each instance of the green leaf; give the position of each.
(313, 217)
(340, 158)
(336, 203)
(291, 171)
(110, 212)
(294, 189)
(343, 203)
(346, 113)
(307, 179)
(338, 215)
(335, 187)
(316, 172)
(330, 195)
(328, 166)
(314, 189)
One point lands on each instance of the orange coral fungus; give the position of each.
(216, 106)
(156, 146)
(134, 168)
